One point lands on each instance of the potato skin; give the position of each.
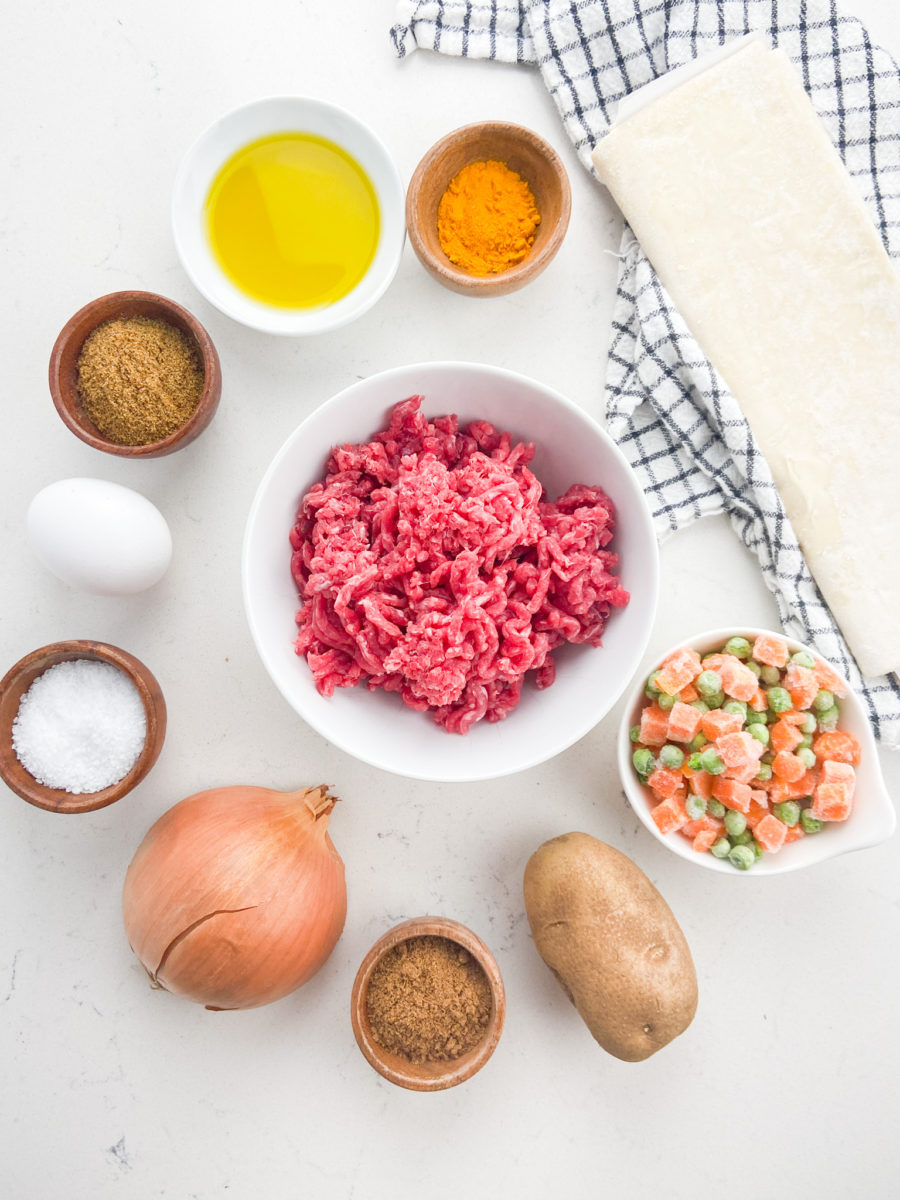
(611, 940)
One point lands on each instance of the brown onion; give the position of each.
(236, 896)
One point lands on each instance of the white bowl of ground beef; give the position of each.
(365, 622)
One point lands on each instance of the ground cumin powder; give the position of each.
(428, 1000)
(139, 379)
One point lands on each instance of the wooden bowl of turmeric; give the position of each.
(135, 374)
(428, 1004)
(487, 208)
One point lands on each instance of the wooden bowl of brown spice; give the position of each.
(135, 374)
(428, 1004)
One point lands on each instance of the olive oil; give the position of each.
(293, 220)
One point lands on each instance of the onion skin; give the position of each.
(236, 896)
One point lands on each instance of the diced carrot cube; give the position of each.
(784, 736)
(732, 794)
(701, 784)
(802, 684)
(777, 791)
(758, 809)
(770, 650)
(796, 789)
(704, 839)
(688, 694)
(831, 802)
(684, 722)
(788, 766)
(712, 662)
(665, 782)
(828, 678)
(669, 815)
(839, 772)
(770, 833)
(735, 749)
(654, 726)
(718, 722)
(838, 746)
(746, 772)
(759, 701)
(793, 717)
(738, 680)
(794, 833)
(679, 669)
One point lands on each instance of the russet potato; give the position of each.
(611, 940)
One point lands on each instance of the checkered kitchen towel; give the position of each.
(666, 406)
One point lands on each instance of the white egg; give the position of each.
(99, 536)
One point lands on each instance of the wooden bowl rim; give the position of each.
(19, 678)
(105, 308)
(516, 277)
(426, 1077)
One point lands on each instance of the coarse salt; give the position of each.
(80, 727)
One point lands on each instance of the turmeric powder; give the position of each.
(487, 218)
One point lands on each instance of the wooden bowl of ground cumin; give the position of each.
(135, 374)
(428, 1004)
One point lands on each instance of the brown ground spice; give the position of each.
(428, 1000)
(139, 379)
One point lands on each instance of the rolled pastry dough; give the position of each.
(761, 238)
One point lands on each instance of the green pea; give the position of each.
(720, 848)
(810, 823)
(760, 732)
(742, 839)
(710, 761)
(770, 675)
(695, 807)
(644, 762)
(736, 706)
(735, 822)
(697, 742)
(806, 756)
(809, 723)
(803, 658)
(708, 683)
(715, 807)
(765, 772)
(739, 647)
(694, 761)
(828, 720)
(741, 857)
(779, 699)
(754, 667)
(757, 718)
(788, 812)
(666, 702)
(652, 687)
(716, 701)
(768, 757)
(757, 849)
(635, 733)
(700, 705)
(671, 756)
(824, 700)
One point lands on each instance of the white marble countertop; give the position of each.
(786, 1082)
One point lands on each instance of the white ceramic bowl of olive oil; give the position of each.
(287, 215)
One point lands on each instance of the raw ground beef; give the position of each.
(428, 563)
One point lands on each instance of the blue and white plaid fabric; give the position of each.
(666, 405)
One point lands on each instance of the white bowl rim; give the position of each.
(302, 322)
(577, 729)
(770, 864)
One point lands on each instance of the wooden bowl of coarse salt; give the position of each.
(428, 1004)
(135, 374)
(81, 724)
